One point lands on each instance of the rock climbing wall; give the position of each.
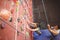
(15, 27)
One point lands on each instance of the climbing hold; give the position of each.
(17, 3)
(21, 28)
(5, 14)
(17, 9)
(18, 19)
(10, 19)
(27, 34)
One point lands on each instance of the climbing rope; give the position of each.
(45, 11)
(46, 15)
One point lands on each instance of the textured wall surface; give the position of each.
(20, 10)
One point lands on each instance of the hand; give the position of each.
(48, 26)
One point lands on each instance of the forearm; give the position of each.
(54, 32)
(34, 29)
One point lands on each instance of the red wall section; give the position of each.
(21, 10)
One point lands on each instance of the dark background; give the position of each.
(52, 10)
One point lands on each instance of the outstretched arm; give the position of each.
(32, 29)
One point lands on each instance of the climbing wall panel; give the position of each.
(25, 13)
(20, 10)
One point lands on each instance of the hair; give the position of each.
(54, 24)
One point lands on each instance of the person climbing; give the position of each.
(53, 29)
(34, 27)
